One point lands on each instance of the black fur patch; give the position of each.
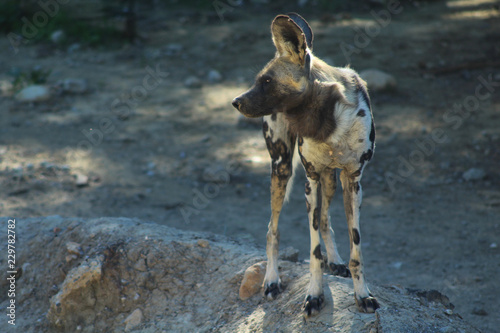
(308, 188)
(279, 150)
(356, 187)
(265, 127)
(300, 141)
(273, 116)
(355, 174)
(361, 113)
(310, 170)
(316, 217)
(366, 156)
(372, 133)
(317, 252)
(308, 205)
(354, 263)
(355, 236)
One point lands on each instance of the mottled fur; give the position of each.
(322, 114)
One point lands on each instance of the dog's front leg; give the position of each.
(280, 145)
(272, 282)
(315, 298)
(352, 200)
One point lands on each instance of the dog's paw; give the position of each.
(313, 305)
(339, 270)
(272, 290)
(367, 304)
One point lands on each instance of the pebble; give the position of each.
(252, 280)
(378, 80)
(74, 248)
(173, 49)
(74, 47)
(133, 320)
(214, 76)
(81, 180)
(474, 174)
(493, 245)
(58, 36)
(73, 86)
(193, 82)
(33, 93)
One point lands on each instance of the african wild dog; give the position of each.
(322, 114)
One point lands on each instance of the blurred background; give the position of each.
(122, 108)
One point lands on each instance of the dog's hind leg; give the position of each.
(280, 145)
(328, 186)
(352, 201)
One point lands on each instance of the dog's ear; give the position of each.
(305, 27)
(289, 39)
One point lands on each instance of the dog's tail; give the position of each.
(295, 162)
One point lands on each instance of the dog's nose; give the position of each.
(236, 103)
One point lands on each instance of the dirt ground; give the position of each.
(177, 156)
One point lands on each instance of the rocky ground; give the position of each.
(147, 131)
(117, 274)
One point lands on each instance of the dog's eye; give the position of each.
(267, 80)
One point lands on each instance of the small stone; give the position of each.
(479, 312)
(73, 86)
(74, 248)
(81, 180)
(474, 174)
(289, 254)
(378, 80)
(74, 47)
(493, 245)
(252, 280)
(216, 174)
(193, 82)
(133, 320)
(33, 93)
(173, 49)
(449, 312)
(214, 76)
(58, 36)
(140, 265)
(203, 243)
(70, 257)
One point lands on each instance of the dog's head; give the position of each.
(282, 82)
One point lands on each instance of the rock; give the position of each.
(81, 180)
(191, 287)
(173, 49)
(254, 123)
(58, 36)
(214, 76)
(73, 86)
(216, 174)
(76, 291)
(74, 47)
(378, 80)
(33, 93)
(193, 82)
(74, 248)
(290, 254)
(133, 320)
(474, 174)
(252, 280)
